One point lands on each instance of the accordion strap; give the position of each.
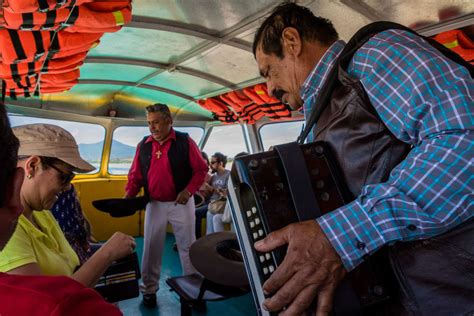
(299, 182)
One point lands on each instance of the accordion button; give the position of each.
(268, 256)
(262, 259)
(325, 196)
(260, 232)
(254, 210)
(265, 270)
(249, 213)
(271, 268)
(257, 221)
(252, 224)
(255, 235)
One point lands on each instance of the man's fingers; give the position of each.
(301, 302)
(273, 240)
(288, 285)
(325, 299)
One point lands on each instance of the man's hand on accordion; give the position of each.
(311, 267)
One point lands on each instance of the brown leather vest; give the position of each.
(433, 276)
(365, 149)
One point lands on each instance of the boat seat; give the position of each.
(194, 290)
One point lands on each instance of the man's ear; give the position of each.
(291, 40)
(13, 201)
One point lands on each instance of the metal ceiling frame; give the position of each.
(133, 84)
(157, 24)
(164, 66)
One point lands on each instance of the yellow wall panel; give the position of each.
(104, 225)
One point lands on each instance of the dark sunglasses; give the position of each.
(66, 177)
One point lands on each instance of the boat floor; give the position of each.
(168, 302)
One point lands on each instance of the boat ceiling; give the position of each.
(179, 51)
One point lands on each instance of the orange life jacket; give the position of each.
(76, 19)
(16, 92)
(458, 42)
(27, 6)
(66, 79)
(53, 66)
(273, 108)
(28, 46)
(245, 108)
(219, 110)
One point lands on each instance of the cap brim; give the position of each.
(78, 164)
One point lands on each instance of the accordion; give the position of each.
(271, 190)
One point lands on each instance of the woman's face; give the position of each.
(43, 182)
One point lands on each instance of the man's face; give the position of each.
(281, 77)
(214, 164)
(159, 125)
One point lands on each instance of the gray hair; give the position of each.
(159, 108)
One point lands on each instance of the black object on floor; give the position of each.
(193, 290)
(149, 300)
(120, 281)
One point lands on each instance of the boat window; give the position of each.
(279, 133)
(227, 139)
(89, 137)
(125, 140)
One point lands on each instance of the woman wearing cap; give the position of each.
(49, 155)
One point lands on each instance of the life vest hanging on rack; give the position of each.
(273, 108)
(66, 79)
(459, 42)
(75, 19)
(28, 46)
(18, 92)
(219, 110)
(27, 6)
(245, 108)
(52, 66)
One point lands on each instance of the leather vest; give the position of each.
(365, 150)
(178, 156)
(432, 276)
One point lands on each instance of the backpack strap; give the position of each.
(359, 39)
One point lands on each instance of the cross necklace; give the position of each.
(158, 154)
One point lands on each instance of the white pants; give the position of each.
(157, 215)
(214, 223)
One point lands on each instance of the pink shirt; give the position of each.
(161, 185)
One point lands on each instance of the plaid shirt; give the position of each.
(427, 101)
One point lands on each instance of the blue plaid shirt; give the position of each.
(427, 101)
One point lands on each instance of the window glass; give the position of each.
(126, 139)
(89, 137)
(227, 139)
(279, 133)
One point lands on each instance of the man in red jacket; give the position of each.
(34, 295)
(170, 167)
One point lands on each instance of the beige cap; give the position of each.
(50, 141)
